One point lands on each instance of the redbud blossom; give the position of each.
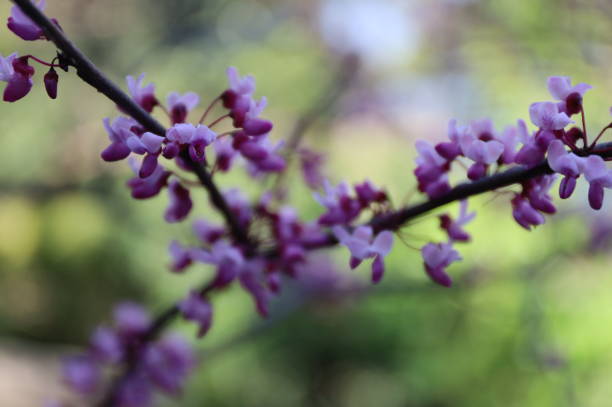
(51, 78)
(23, 26)
(197, 309)
(437, 257)
(362, 246)
(599, 177)
(144, 95)
(17, 73)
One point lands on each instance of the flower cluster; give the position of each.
(265, 242)
(162, 364)
(479, 147)
(15, 70)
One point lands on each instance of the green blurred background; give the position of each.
(529, 320)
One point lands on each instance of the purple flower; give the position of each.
(197, 309)
(240, 89)
(179, 106)
(368, 193)
(525, 214)
(168, 362)
(599, 177)
(567, 164)
(143, 188)
(451, 149)
(241, 85)
(510, 139)
(146, 143)
(253, 125)
(143, 95)
(560, 87)
(431, 170)
(547, 117)
(131, 320)
(362, 246)
(105, 345)
(225, 153)
(454, 228)
(341, 207)
(207, 232)
(51, 79)
(119, 131)
(186, 134)
(18, 74)
(180, 202)
(251, 280)
(81, 373)
(437, 257)
(228, 259)
(481, 147)
(23, 26)
(135, 391)
(181, 257)
(536, 191)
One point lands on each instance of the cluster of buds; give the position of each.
(163, 364)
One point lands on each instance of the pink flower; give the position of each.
(179, 106)
(241, 85)
(181, 256)
(560, 87)
(23, 26)
(599, 177)
(437, 257)
(18, 74)
(82, 374)
(180, 202)
(119, 131)
(567, 164)
(197, 138)
(147, 143)
(252, 280)
(341, 206)
(228, 259)
(143, 95)
(368, 193)
(51, 79)
(454, 228)
(481, 147)
(525, 214)
(198, 309)
(207, 232)
(451, 149)
(168, 362)
(253, 125)
(148, 187)
(510, 139)
(225, 153)
(547, 117)
(105, 345)
(131, 320)
(431, 170)
(362, 246)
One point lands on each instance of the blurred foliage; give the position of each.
(528, 323)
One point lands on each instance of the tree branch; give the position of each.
(90, 74)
